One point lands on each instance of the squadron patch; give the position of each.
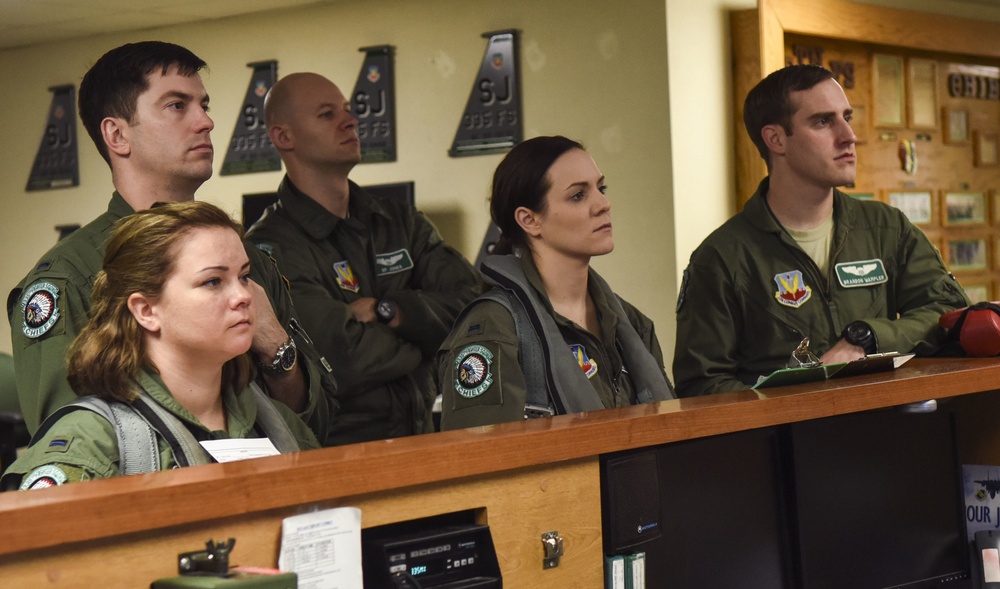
(792, 289)
(345, 276)
(863, 273)
(38, 306)
(44, 477)
(472, 371)
(588, 365)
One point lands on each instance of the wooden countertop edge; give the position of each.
(113, 507)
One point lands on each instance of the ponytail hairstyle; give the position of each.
(521, 180)
(139, 257)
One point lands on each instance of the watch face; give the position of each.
(288, 358)
(385, 310)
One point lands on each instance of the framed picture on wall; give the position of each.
(964, 208)
(967, 254)
(859, 122)
(956, 126)
(976, 291)
(887, 89)
(918, 206)
(984, 148)
(921, 86)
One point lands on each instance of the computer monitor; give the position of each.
(878, 501)
(721, 511)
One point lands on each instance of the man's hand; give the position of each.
(842, 352)
(364, 310)
(268, 332)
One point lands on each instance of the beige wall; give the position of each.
(594, 74)
(645, 85)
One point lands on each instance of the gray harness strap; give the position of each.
(136, 427)
(560, 376)
(529, 354)
(136, 439)
(274, 426)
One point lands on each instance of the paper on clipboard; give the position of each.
(867, 365)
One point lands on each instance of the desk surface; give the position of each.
(38, 519)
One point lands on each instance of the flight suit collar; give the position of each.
(759, 214)
(320, 223)
(241, 410)
(608, 321)
(118, 208)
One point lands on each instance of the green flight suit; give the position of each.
(386, 250)
(750, 294)
(488, 324)
(51, 305)
(83, 446)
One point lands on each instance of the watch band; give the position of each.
(284, 358)
(859, 333)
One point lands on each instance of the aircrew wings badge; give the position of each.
(792, 289)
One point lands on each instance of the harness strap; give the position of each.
(529, 355)
(137, 448)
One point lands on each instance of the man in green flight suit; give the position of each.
(146, 109)
(804, 260)
(377, 283)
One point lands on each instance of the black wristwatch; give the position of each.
(859, 333)
(385, 311)
(284, 358)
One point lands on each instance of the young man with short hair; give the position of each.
(804, 260)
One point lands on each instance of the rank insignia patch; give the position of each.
(864, 273)
(38, 306)
(44, 477)
(472, 371)
(345, 276)
(792, 289)
(588, 366)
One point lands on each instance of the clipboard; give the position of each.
(867, 365)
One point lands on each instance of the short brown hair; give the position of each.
(770, 101)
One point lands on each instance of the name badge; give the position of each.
(393, 262)
(864, 273)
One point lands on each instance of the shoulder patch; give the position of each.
(684, 288)
(473, 375)
(43, 477)
(39, 308)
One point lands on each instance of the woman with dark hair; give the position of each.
(163, 360)
(550, 337)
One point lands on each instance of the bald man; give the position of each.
(377, 286)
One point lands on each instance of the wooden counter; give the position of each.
(529, 478)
